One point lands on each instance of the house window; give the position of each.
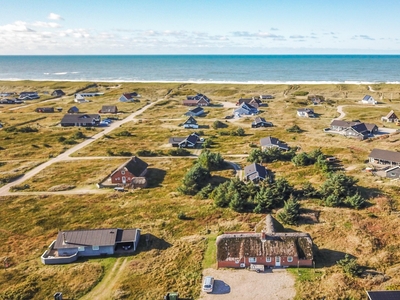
(290, 258)
(95, 247)
(236, 261)
(252, 259)
(122, 172)
(268, 259)
(81, 249)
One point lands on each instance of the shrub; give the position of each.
(124, 153)
(78, 135)
(123, 133)
(290, 212)
(350, 266)
(300, 93)
(182, 216)
(218, 124)
(295, 129)
(61, 139)
(146, 153)
(178, 152)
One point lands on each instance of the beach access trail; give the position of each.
(65, 155)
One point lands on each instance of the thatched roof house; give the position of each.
(268, 248)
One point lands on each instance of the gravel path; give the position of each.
(231, 284)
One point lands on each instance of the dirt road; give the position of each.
(64, 156)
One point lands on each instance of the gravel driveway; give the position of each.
(242, 284)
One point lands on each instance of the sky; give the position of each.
(63, 27)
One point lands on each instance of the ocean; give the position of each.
(261, 69)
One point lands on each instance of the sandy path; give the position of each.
(104, 290)
(231, 284)
(341, 112)
(64, 156)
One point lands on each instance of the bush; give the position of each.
(124, 153)
(178, 152)
(290, 212)
(78, 135)
(182, 216)
(218, 124)
(300, 93)
(295, 129)
(350, 266)
(61, 139)
(146, 153)
(123, 133)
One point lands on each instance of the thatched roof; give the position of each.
(267, 243)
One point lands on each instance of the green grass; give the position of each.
(209, 255)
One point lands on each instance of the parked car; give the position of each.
(208, 284)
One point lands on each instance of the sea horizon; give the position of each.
(205, 68)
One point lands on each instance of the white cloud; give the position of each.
(17, 26)
(53, 16)
(362, 37)
(259, 34)
(46, 24)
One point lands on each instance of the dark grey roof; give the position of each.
(196, 110)
(93, 237)
(307, 110)
(254, 171)
(109, 109)
(383, 295)
(392, 156)
(193, 138)
(134, 165)
(190, 120)
(79, 118)
(73, 109)
(367, 97)
(391, 115)
(360, 128)
(271, 141)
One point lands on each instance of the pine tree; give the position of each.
(290, 212)
(237, 203)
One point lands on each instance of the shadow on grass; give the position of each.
(155, 177)
(328, 258)
(149, 242)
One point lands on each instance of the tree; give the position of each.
(219, 195)
(264, 200)
(350, 266)
(309, 191)
(337, 188)
(281, 190)
(356, 201)
(211, 161)
(290, 213)
(255, 156)
(195, 179)
(205, 191)
(301, 159)
(237, 203)
(218, 124)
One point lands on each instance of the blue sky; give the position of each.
(199, 27)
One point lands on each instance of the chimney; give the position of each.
(263, 235)
(64, 239)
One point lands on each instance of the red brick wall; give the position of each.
(117, 177)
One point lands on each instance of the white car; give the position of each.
(208, 284)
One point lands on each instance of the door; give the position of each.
(123, 179)
(277, 261)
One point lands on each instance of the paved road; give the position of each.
(65, 156)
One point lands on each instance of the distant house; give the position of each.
(85, 120)
(266, 97)
(268, 248)
(384, 157)
(255, 173)
(255, 102)
(57, 93)
(271, 142)
(131, 173)
(358, 131)
(11, 101)
(316, 99)
(73, 110)
(28, 96)
(128, 97)
(7, 94)
(390, 117)
(305, 112)
(88, 95)
(109, 109)
(80, 99)
(369, 100)
(347, 127)
(198, 100)
(70, 245)
(260, 122)
(198, 111)
(190, 123)
(245, 109)
(45, 109)
(188, 142)
(383, 295)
